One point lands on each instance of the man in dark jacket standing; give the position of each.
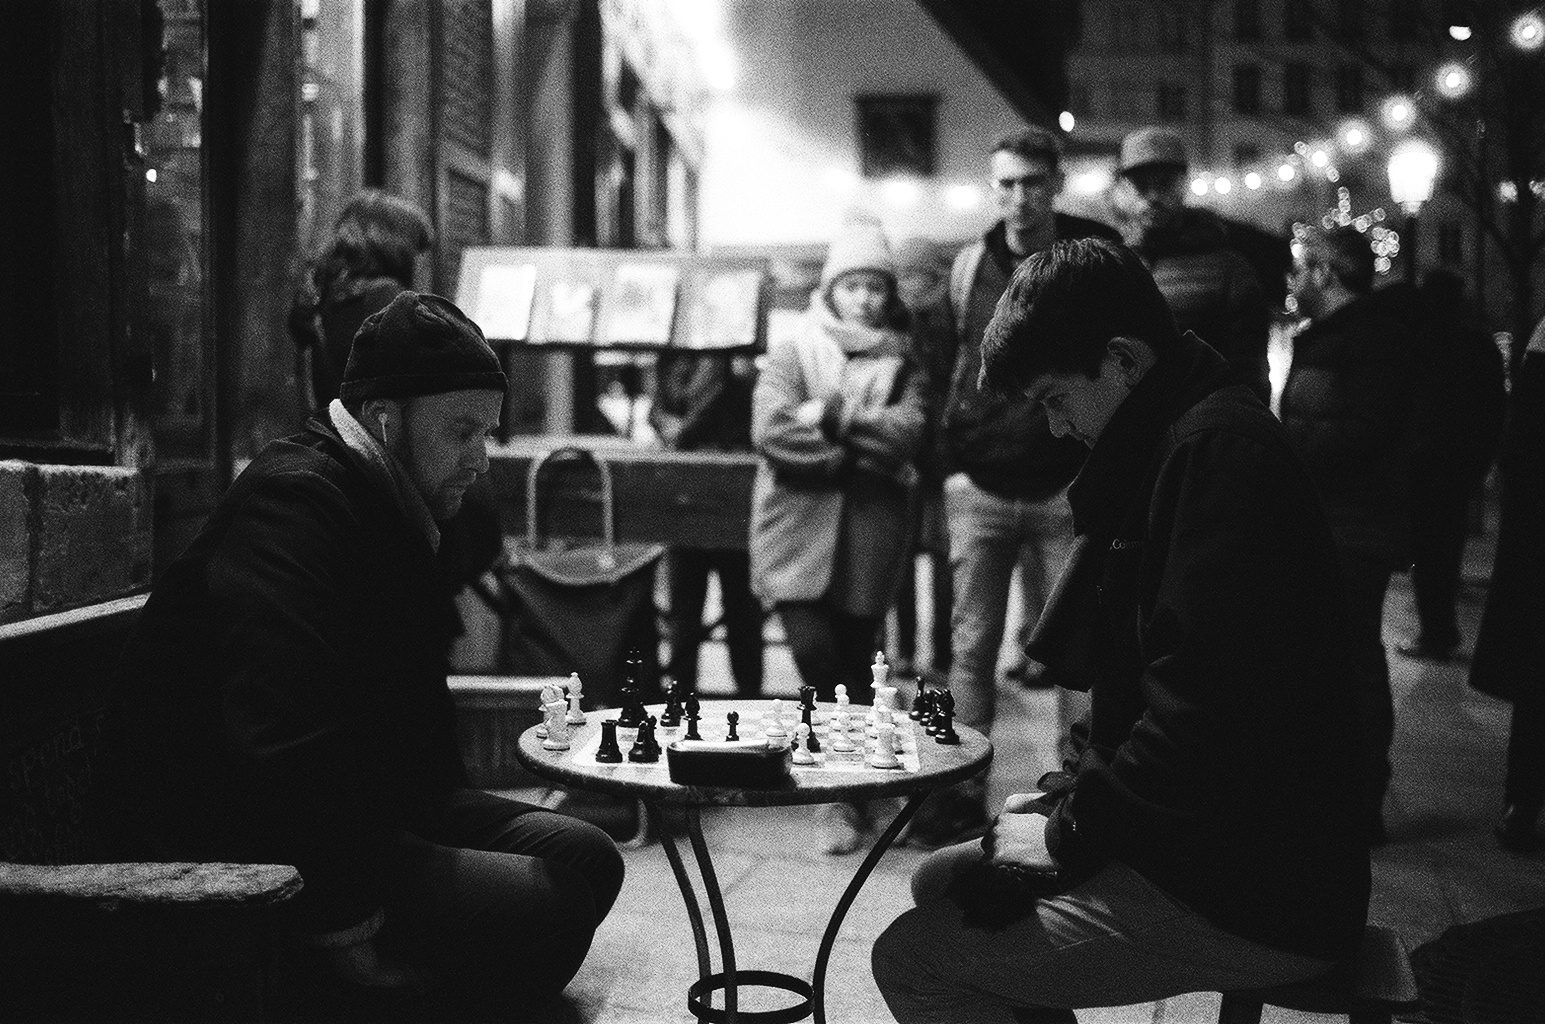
(286, 692)
(1348, 407)
(1205, 836)
(1212, 289)
(1005, 501)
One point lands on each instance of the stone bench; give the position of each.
(84, 936)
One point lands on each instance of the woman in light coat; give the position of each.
(838, 419)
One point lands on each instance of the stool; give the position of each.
(1370, 989)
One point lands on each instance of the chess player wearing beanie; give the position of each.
(837, 418)
(286, 700)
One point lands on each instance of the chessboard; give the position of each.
(754, 718)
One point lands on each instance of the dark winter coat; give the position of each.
(285, 689)
(1002, 443)
(1202, 608)
(1349, 406)
(1510, 647)
(701, 403)
(1213, 291)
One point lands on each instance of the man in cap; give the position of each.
(1212, 289)
(286, 701)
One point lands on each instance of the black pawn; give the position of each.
(608, 752)
(919, 710)
(946, 733)
(692, 717)
(671, 716)
(944, 719)
(733, 718)
(643, 745)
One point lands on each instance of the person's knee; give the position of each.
(597, 863)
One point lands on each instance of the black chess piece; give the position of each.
(733, 718)
(671, 716)
(919, 712)
(608, 752)
(692, 717)
(655, 749)
(644, 746)
(931, 713)
(945, 732)
(807, 700)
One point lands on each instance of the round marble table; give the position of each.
(926, 765)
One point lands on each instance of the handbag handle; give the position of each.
(608, 532)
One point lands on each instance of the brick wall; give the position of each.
(70, 536)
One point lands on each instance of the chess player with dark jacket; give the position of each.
(286, 696)
(1205, 837)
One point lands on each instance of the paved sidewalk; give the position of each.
(1440, 867)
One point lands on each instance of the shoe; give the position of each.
(1031, 675)
(843, 828)
(1422, 651)
(1516, 830)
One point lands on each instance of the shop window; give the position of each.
(1247, 89)
(1297, 21)
(1247, 20)
(1451, 242)
(1349, 88)
(1349, 20)
(896, 135)
(1171, 102)
(1295, 90)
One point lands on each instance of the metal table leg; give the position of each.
(823, 956)
(700, 993)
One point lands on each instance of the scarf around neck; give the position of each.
(386, 471)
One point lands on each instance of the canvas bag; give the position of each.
(579, 605)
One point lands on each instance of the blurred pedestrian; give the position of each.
(1348, 408)
(372, 255)
(1463, 400)
(702, 402)
(838, 418)
(923, 267)
(1211, 288)
(1510, 648)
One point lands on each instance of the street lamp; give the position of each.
(1413, 166)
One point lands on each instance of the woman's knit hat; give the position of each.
(859, 245)
(419, 344)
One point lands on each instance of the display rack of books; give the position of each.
(615, 299)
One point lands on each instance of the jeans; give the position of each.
(689, 569)
(989, 535)
(1367, 581)
(831, 647)
(499, 899)
(1114, 940)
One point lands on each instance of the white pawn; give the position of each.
(839, 740)
(576, 714)
(802, 753)
(842, 698)
(777, 735)
(877, 716)
(550, 693)
(557, 725)
(884, 753)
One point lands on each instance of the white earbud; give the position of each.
(381, 419)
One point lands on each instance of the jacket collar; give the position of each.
(383, 470)
(1105, 488)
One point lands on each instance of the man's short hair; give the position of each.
(1062, 308)
(1346, 251)
(1033, 143)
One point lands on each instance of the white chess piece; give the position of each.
(550, 693)
(557, 725)
(576, 714)
(838, 739)
(884, 753)
(802, 753)
(843, 702)
(777, 735)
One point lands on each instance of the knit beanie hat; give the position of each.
(419, 344)
(860, 245)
